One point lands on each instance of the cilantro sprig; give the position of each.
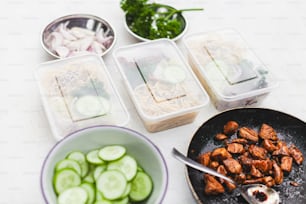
(152, 20)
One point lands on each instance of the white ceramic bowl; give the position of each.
(145, 152)
(88, 22)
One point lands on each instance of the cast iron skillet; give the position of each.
(288, 128)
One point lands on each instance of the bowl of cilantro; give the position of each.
(149, 21)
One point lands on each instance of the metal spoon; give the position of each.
(245, 190)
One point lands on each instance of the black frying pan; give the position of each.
(288, 128)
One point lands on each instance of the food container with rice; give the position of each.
(78, 92)
(228, 69)
(162, 86)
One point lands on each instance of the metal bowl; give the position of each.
(85, 21)
(162, 8)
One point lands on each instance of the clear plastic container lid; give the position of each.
(160, 82)
(227, 64)
(77, 92)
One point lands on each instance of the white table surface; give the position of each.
(276, 31)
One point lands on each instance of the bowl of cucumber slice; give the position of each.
(104, 164)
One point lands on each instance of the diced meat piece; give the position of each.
(249, 134)
(230, 127)
(282, 149)
(220, 136)
(296, 154)
(267, 132)
(245, 160)
(255, 172)
(263, 165)
(293, 183)
(229, 186)
(268, 145)
(240, 178)
(235, 148)
(212, 185)
(286, 163)
(214, 164)
(258, 152)
(204, 159)
(232, 166)
(239, 140)
(221, 169)
(220, 154)
(268, 181)
(277, 173)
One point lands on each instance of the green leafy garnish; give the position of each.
(152, 20)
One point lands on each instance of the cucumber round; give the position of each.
(91, 105)
(127, 165)
(64, 179)
(90, 189)
(124, 200)
(81, 159)
(112, 152)
(98, 171)
(93, 157)
(111, 184)
(75, 195)
(68, 164)
(141, 187)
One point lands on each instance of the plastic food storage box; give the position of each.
(161, 84)
(77, 92)
(230, 72)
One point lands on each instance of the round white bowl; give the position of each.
(87, 21)
(145, 152)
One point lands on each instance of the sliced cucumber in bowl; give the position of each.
(101, 176)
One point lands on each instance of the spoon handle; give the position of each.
(189, 162)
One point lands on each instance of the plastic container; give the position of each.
(78, 92)
(230, 72)
(161, 84)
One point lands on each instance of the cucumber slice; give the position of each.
(64, 179)
(98, 171)
(112, 152)
(127, 165)
(93, 157)
(68, 164)
(89, 177)
(174, 74)
(92, 105)
(81, 159)
(124, 200)
(90, 189)
(141, 187)
(127, 190)
(75, 195)
(111, 184)
(103, 202)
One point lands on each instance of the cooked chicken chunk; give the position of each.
(255, 172)
(268, 181)
(235, 148)
(205, 158)
(232, 166)
(212, 185)
(263, 165)
(267, 132)
(268, 145)
(220, 136)
(230, 127)
(229, 186)
(220, 154)
(240, 178)
(286, 163)
(277, 173)
(296, 154)
(282, 149)
(214, 164)
(258, 152)
(239, 140)
(248, 133)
